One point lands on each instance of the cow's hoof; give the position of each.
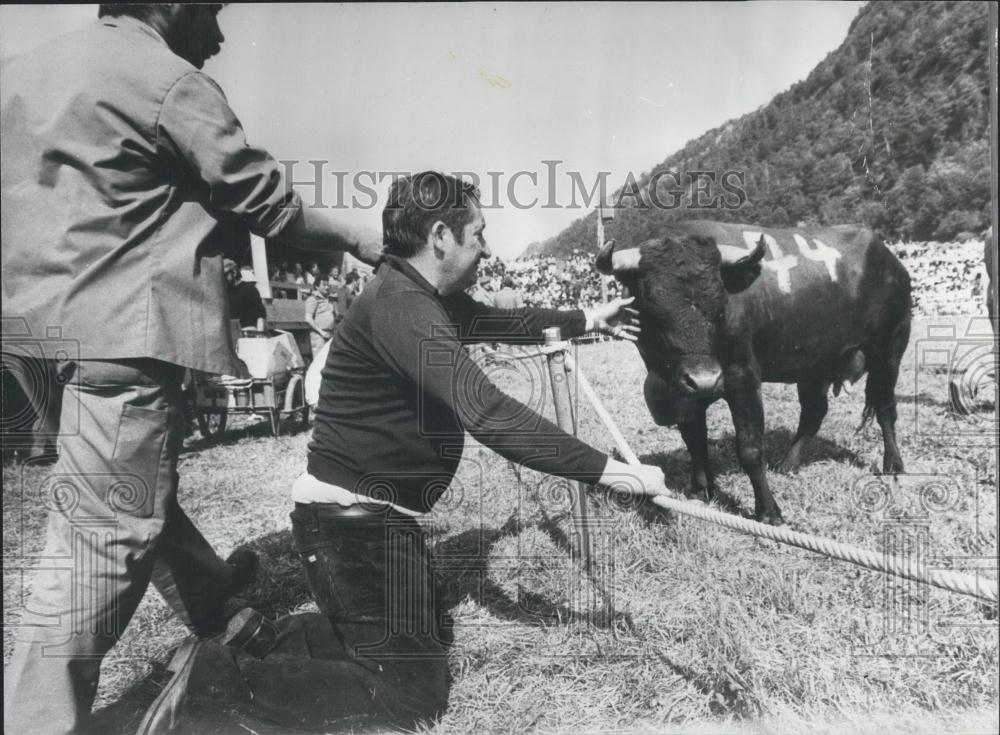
(787, 466)
(705, 496)
(892, 466)
(771, 518)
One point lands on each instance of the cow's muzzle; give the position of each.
(702, 381)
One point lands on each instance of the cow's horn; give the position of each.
(733, 255)
(603, 260)
(610, 261)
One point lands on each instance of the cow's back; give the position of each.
(821, 291)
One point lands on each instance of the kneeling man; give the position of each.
(397, 396)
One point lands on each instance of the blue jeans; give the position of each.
(372, 576)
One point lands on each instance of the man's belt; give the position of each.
(336, 510)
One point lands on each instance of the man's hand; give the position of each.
(639, 479)
(615, 318)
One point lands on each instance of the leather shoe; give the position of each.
(245, 564)
(203, 694)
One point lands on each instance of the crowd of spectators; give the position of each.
(549, 282)
(304, 277)
(541, 281)
(947, 278)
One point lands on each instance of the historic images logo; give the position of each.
(965, 357)
(548, 187)
(914, 511)
(66, 494)
(39, 366)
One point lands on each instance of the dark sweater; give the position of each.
(399, 392)
(246, 304)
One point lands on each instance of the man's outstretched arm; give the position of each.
(447, 379)
(197, 125)
(320, 229)
(483, 323)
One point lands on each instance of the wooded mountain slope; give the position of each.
(891, 130)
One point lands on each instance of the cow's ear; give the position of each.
(738, 275)
(603, 260)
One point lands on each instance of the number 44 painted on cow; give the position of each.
(783, 264)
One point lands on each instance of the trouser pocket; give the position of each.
(141, 443)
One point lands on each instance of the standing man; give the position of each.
(245, 303)
(313, 274)
(398, 395)
(346, 293)
(320, 315)
(336, 281)
(121, 157)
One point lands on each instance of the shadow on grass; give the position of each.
(464, 561)
(724, 688)
(722, 455)
(925, 399)
(676, 466)
(281, 585)
(463, 566)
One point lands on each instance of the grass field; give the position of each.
(682, 626)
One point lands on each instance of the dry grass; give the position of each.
(682, 626)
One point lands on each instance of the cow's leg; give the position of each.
(743, 395)
(695, 435)
(813, 402)
(880, 395)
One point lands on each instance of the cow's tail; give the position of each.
(883, 371)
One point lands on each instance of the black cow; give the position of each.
(725, 307)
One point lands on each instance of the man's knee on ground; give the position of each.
(417, 689)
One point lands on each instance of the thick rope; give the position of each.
(907, 568)
(964, 584)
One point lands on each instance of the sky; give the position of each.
(494, 90)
